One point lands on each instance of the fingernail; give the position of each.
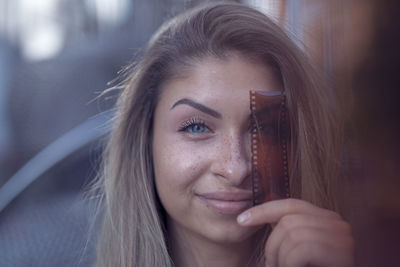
(244, 217)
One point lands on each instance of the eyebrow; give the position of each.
(197, 106)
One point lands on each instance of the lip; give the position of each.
(229, 203)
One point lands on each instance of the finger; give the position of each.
(304, 235)
(293, 222)
(334, 247)
(317, 254)
(273, 211)
(305, 254)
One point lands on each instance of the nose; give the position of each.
(232, 159)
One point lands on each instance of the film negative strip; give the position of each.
(270, 132)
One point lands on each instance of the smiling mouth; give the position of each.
(226, 202)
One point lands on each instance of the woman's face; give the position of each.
(201, 147)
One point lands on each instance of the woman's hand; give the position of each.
(302, 235)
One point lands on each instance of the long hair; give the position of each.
(133, 231)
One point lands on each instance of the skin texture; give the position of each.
(201, 153)
(303, 234)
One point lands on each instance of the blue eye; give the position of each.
(194, 126)
(197, 128)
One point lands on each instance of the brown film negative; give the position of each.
(269, 146)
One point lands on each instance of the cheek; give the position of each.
(177, 167)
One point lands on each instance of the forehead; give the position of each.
(213, 79)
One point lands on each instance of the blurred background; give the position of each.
(58, 56)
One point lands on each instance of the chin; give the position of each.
(230, 233)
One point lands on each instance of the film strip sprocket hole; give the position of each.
(270, 132)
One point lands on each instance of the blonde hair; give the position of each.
(133, 231)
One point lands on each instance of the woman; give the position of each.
(177, 168)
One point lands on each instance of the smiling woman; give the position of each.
(177, 170)
(210, 183)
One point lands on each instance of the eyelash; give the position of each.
(191, 122)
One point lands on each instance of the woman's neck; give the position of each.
(188, 249)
